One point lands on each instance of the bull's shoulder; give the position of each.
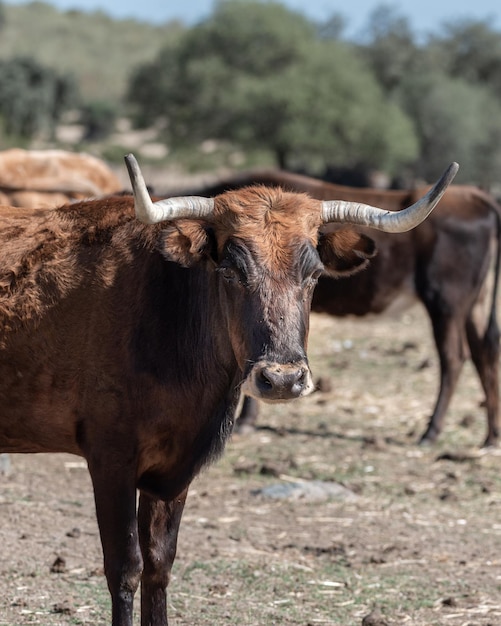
(27, 225)
(46, 253)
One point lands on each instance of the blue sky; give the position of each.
(424, 15)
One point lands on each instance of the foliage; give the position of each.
(32, 97)
(390, 47)
(449, 86)
(257, 74)
(97, 49)
(454, 121)
(470, 50)
(263, 80)
(98, 118)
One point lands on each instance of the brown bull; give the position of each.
(50, 178)
(444, 263)
(126, 339)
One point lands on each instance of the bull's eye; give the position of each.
(229, 274)
(317, 273)
(312, 280)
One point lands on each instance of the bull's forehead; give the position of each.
(272, 220)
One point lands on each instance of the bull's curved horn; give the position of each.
(389, 221)
(149, 212)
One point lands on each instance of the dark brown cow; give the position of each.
(127, 341)
(444, 262)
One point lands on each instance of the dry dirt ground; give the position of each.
(411, 537)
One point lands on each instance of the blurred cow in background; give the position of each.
(50, 178)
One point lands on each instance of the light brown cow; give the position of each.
(49, 178)
(129, 328)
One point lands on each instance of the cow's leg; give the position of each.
(248, 415)
(158, 529)
(115, 497)
(450, 341)
(484, 349)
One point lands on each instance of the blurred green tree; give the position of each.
(449, 85)
(471, 50)
(455, 121)
(32, 97)
(98, 118)
(389, 46)
(260, 75)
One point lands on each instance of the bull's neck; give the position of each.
(183, 335)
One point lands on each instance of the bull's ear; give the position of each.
(185, 242)
(345, 252)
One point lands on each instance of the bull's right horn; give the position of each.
(389, 221)
(194, 207)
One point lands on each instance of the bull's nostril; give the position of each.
(298, 381)
(265, 380)
(300, 374)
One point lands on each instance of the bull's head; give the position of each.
(268, 248)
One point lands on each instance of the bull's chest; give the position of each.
(169, 460)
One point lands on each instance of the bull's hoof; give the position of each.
(491, 442)
(428, 438)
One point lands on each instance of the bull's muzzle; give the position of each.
(278, 382)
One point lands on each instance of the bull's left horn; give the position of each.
(389, 221)
(195, 207)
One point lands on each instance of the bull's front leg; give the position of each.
(115, 497)
(158, 530)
